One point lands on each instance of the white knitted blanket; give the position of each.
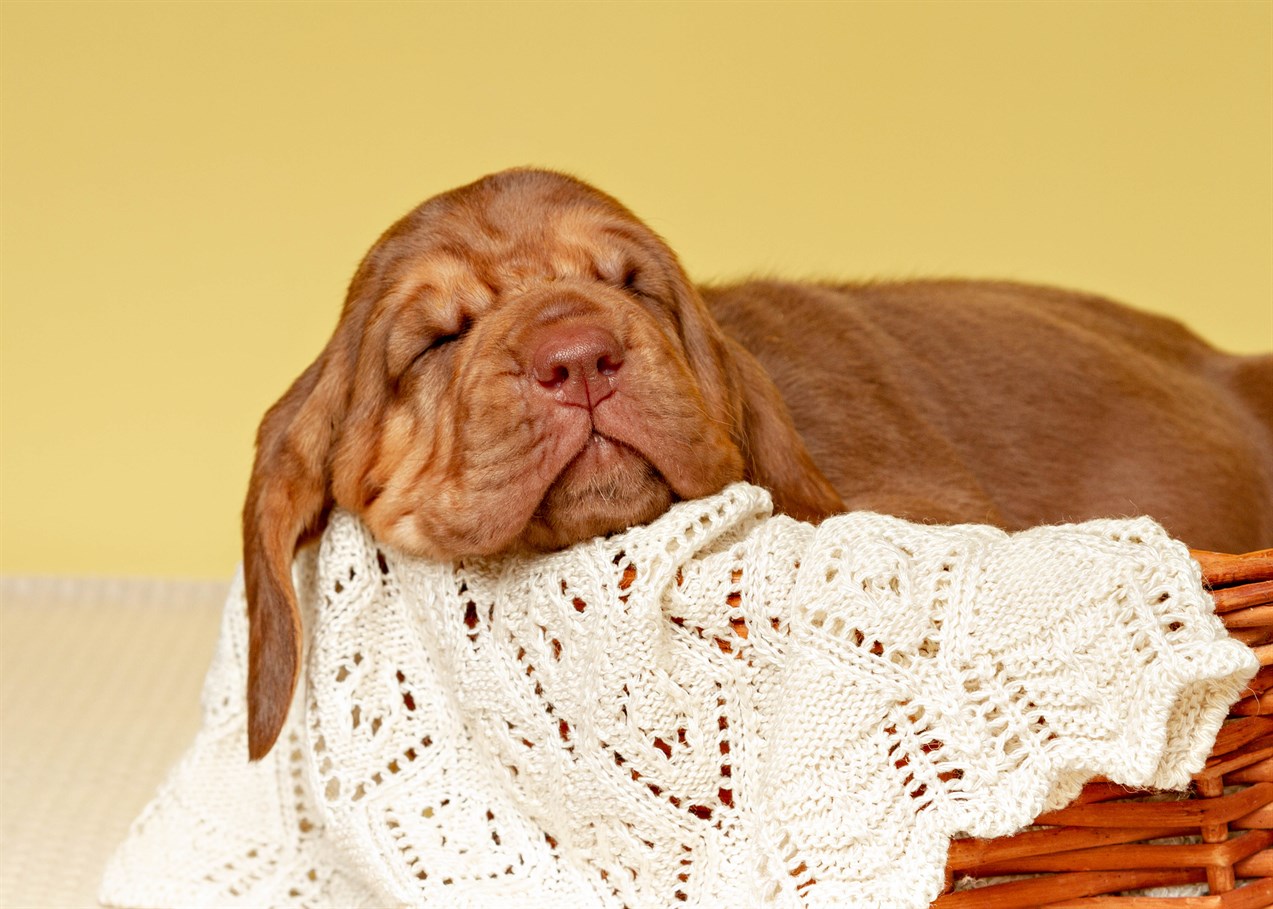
(723, 708)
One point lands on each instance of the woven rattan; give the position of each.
(1112, 840)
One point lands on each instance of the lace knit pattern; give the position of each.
(724, 707)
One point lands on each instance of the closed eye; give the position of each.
(620, 273)
(438, 342)
(633, 285)
(650, 295)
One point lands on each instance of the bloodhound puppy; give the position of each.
(521, 364)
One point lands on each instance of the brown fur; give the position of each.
(428, 416)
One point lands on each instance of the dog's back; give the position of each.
(1015, 405)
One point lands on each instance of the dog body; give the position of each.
(522, 364)
(1014, 405)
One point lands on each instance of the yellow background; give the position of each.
(187, 188)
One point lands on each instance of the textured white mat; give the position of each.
(99, 693)
(716, 709)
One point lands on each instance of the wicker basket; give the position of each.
(1109, 839)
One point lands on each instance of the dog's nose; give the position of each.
(578, 364)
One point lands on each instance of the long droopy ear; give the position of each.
(739, 392)
(288, 498)
(775, 455)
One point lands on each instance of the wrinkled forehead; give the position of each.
(488, 246)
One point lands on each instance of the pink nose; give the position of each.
(578, 364)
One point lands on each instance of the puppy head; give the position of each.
(520, 364)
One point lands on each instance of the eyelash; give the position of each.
(629, 285)
(441, 341)
(655, 304)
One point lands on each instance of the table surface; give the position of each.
(99, 695)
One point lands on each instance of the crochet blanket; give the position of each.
(722, 708)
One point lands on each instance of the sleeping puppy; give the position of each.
(521, 364)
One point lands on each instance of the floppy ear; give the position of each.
(775, 455)
(288, 498)
(739, 393)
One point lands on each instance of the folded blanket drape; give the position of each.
(722, 708)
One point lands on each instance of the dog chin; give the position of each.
(605, 488)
